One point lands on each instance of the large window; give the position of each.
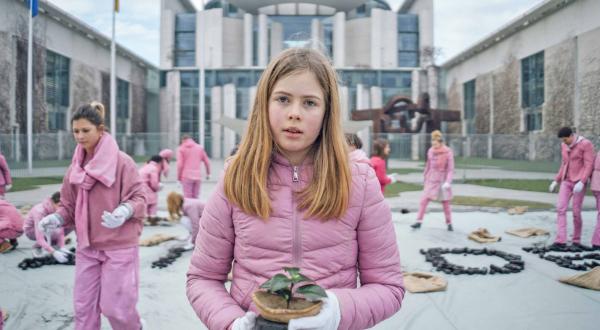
(469, 106)
(532, 90)
(57, 90)
(185, 39)
(408, 40)
(122, 106)
(189, 104)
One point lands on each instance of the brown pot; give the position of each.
(274, 308)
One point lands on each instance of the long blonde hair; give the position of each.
(246, 178)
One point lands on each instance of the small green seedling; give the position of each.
(283, 286)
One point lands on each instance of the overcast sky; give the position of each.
(458, 24)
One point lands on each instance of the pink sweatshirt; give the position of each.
(190, 155)
(378, 165)
(150, 176)
(117, 182)
(595, 180)
(11, 221)
(577, 161)
(360, 246)
(193, 208)
(166, 155)
(5, 178)
(438, 170)
(34, 216)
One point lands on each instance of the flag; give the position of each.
(117, 6)
(33, 4)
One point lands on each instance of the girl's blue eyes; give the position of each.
(285, 99)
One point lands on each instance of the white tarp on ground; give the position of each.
(533, 299)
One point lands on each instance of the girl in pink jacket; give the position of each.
(11, 226)
(290, 197)
(188, 211)
(190, 156)
(150, 176)
(381, 151)
(103, 197)
(438, 179)
(595, 186)
(57, 237)
(5, 178)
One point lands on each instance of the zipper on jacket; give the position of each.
(295, 175)
(296, 239)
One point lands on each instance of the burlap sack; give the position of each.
(419, 282)
(482, 235)
(588, 280)
(518, 210)
(156, 239)
(527, 232)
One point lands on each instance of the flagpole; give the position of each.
(201, 98)
(113, 80)
(29, 91)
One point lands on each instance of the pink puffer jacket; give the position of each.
(361, 244)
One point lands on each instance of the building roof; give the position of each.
(73, 23)
(540, 11)
(253, 6)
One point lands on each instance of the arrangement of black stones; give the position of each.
(434, 255)
(173, 254)
(566, 261)
(45, 261)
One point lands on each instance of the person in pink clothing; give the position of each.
(291, 197)
(595, 186)
(190, 156)
(439, 169)
(150, 176)
(56, 238)
(381, 151)
(573, 175)
(5, 178)
(188, 211)
(166, 155)
(355, 146)
(103, 197)
(11, 226)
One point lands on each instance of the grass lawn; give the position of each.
(29, 183)
(404, 170)
(526, 185)
(496, 202)
(507, 164)
(394, 189)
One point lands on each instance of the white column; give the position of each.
(376, 44)
(216, 130)
(339, 39)
(360, 96)
(345, 112)
(415, 85)
(491, 130)
(229, 102)
(315, 39)
(263, 41)
(276, 38)
(432, 86)
(376, 97)
(248, 40)
(252, 97)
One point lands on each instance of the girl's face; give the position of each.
(436, 144)
(387, 150)
(296, 110)
(86, 133)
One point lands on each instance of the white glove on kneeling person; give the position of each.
(246, 322)
(118, 217)
(50, 223)
(60, 256)
(446, 185)
(578, 187)
(552, 186)
(328, 318)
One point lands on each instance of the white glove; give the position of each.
(60, 256)
(246, 322)
(446, 185)
(328, 318)
(578, 187)
(553, 186)
(8, 187)
(186, 222)
(160, 186)
(50, 223)
(118, 217)
(393, 177)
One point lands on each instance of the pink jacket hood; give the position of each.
(335, 253)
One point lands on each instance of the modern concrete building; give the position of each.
(377, 52)
(537, 73)
(71, 66)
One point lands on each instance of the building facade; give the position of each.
(377, 52)
(71, 66)
(536, 74)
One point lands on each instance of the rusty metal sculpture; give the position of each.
(401, 115)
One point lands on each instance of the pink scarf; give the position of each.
(440, 156)
(102, 167)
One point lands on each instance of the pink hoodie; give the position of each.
(5, 178)
(166, 155)
(335, 253)
(193, 209)
(595, 180)
(577, 161)
(112, 179)
(11, 221)
(37, 213)
(438, 169)
(189, 156)
(150, 176)
(378, 164)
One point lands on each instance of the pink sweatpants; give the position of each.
(151, 210)
(107, 282)
(596, 237)
(564, 196)
(191, 188)
(423, 207)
